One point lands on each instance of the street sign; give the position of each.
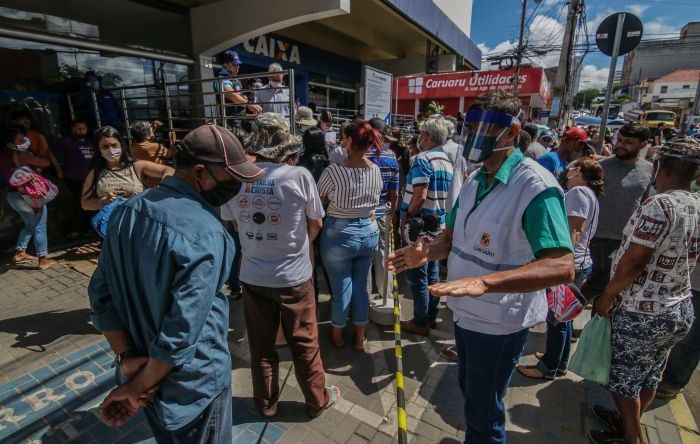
(618, 34)
(632, 31)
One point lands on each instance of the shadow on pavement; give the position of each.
(37, 330)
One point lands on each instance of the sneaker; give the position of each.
(604, 437)
(410, 327)
(608, 417)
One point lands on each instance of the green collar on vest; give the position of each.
(503, 173)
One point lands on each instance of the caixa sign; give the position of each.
(274, 48)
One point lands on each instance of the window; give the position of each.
(664, 89)
(686, 86)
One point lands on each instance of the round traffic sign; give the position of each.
(632, 31)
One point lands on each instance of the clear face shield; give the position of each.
(482, 131)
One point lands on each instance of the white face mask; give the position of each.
(112, 153)
(275, 84)
(24, 146)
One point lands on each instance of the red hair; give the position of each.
(363, 136)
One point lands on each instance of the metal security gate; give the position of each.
(181, 106)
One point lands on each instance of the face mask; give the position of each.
(275, 84)
(326, 126)
(24, 146)
(486, 148)
(112, 153)
(222, 192)
(95, 85)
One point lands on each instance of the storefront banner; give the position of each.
(470, 83)
(377, 93)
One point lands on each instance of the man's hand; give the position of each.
(405, 258)
(131, 366)
(122, 403)
(254, 109)
(604, 305)
(467, 287)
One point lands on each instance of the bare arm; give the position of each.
(90, 202)
(576, 228)
(119, 341)
(24, 159)
(420, 195)
(555, 267)
(239, 99)
(313, 227)
(631, 265)
(153, 170)
(393, 199)
(55, 164)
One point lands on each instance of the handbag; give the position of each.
(35, 189)
(101, 219)
(566, 302)
(591, 360)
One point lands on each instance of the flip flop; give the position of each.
(333, 397)
(521, 369)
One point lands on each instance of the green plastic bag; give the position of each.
(591, 360)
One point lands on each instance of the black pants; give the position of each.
(79, 220)
(601, 249)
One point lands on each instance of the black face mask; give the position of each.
(222, 192)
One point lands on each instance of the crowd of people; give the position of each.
(506, 210)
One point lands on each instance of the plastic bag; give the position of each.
(591, 360)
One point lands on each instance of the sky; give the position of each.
(496, 23)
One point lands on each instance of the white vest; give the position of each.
(492, 239)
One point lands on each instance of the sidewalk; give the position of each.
(55, 369)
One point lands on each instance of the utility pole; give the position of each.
(561, 84)
(520, 50)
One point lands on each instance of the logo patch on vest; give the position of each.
(485, 240)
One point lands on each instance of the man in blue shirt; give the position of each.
(156, 294)
(571, 143)
(388, 199)
(232, 87)
(427, 186)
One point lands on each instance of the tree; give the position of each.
(584, 98)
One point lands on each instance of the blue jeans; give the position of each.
(348, 249)
(486, 363)
(234, 283)
(556, 356)
(213, 426)
(685, 355)
(425, 307)
(34, 225)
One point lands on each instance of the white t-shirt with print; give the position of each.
(271, 217)
(582, 202)
(670, 224)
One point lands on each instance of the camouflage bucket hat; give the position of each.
(271, 138)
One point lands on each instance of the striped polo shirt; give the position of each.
(434, 169)
(386, 161)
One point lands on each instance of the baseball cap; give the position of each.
(231, 57)
(575, 133)
(216, 145)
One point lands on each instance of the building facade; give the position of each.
(656, 58)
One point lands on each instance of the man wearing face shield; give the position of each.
(507, 239)
(156, 294)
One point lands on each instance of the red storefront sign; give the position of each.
(469, 83)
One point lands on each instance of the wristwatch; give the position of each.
(120, 357)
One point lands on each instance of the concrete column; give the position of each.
(203, 69)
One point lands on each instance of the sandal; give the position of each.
(45, 263)
(21, 257)
(527, 370)
(333, 397)
(361, 348)
(449, 352)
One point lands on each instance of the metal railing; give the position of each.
(181, 105)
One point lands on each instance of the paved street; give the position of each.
(55, 369)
